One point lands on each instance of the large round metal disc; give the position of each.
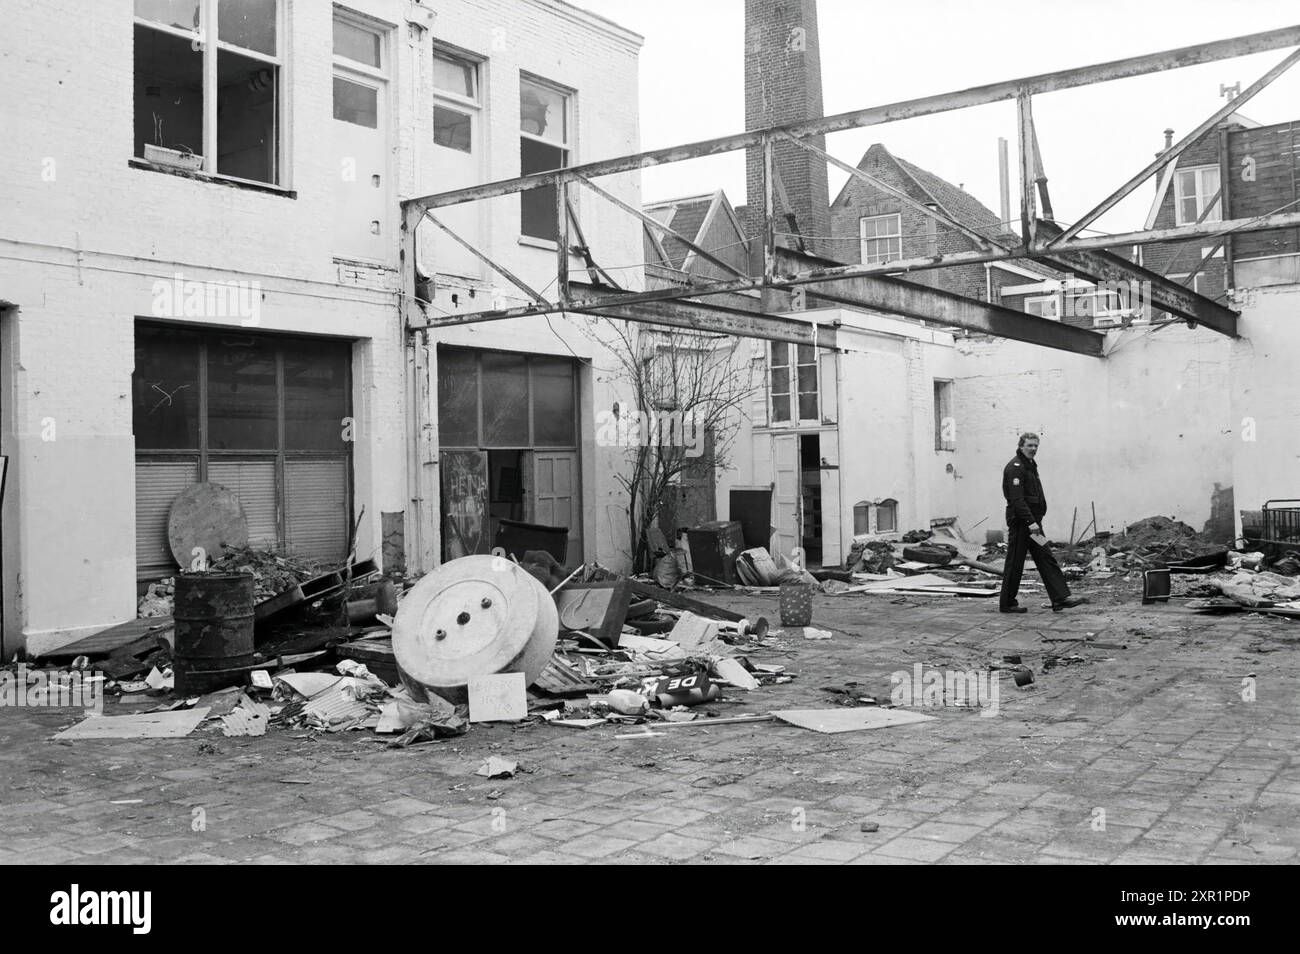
(205, 515)
(476, 616)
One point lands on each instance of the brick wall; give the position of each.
(783, 84)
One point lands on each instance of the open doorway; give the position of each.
(810, 483)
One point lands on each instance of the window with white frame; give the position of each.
(882, 238)
(1044, 306)
(545, 144)
(208, 86)
(1194, 190)
(456, 102)
(359, 70)
(792, 377)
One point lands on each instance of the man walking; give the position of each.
(1026, 506)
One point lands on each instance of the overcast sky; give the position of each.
(1092, 138)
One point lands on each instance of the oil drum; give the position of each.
(213, 616)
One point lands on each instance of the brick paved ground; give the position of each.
(1156, 736)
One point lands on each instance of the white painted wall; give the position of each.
(1144, 431)
(1265, 397)
(85, 235)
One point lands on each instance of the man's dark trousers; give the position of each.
(1018, 544)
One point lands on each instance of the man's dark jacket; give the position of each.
(1023, 490)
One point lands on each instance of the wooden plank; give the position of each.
(112, 639)
(678, 601)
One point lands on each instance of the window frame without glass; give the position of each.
(471, 106)
(538, 205)
(205, 40)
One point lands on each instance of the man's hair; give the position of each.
(1027, 436)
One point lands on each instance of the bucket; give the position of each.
(796, 604)
(213, 617)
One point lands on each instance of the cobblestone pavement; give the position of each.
(1153, 753)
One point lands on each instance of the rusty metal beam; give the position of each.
(501, 270)
(1178, 148)
(1164, 293)
(1175, 233)
(908, 109)
(698, 316)
(898, 297)
(651, 222)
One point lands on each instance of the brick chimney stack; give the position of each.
(783, 83)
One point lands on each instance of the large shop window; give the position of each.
(266, 416)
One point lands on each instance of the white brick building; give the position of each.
(179, 146)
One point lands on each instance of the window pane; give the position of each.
(355, 103)
(807, 379)
(861, 518)
(537, 206)
(554, 414)
(241, 394)
(457, 398)
(356, 43)
(247, 130)
(316, 396)
(886, 518)
(452, 128)
(451, 74)
(780, 380)
(168, 92)
(542, 112)
(182, 14)
(808, 407)
(165, 389)
(248, 23)
(780, 407)
(505, 400)
(780, 355)
(806, 354)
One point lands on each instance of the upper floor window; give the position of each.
(456, 103)
(945, 425)
(545, 144)
(792, 377)
(882, 238)
(1044, 306)
(1194, 191)
(207, 86)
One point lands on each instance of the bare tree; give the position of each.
(689, 390)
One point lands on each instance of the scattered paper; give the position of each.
(262, 679)
(308, 684)
(730, 670)
(502, 697)
(849, 719)
(695, 634)
(578, 723)
(810, 632)
(402, 714)
(494, 767)
(144, 725)
(159, 680)
(249, 718)
(656, 649)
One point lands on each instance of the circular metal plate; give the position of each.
(205, 515)
(475, 616)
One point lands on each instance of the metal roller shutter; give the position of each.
(253, 482)
(157, 482)
(316, 508)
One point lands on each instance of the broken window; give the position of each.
(544, 145)
(503, 399)
(945, 427)
(456, 104)
(882, 238)
(1194, 191)
(232, 127)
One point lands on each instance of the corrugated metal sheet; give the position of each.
(253, 482)
(316, 502)
(157, 482)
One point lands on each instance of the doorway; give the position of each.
(810, 485)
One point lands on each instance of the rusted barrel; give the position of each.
(213, 616)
